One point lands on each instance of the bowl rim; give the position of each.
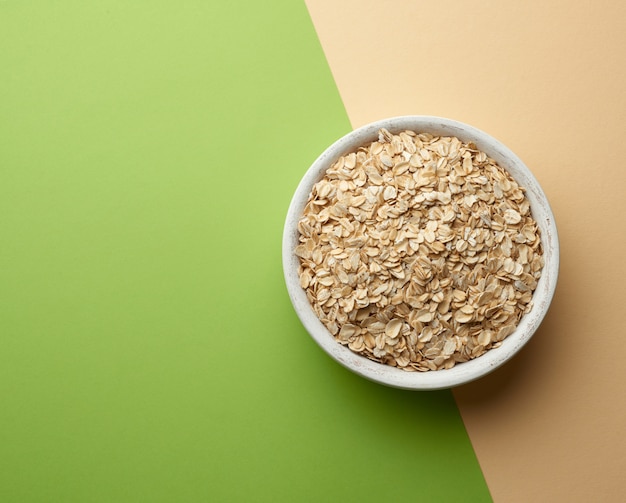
(461, 373)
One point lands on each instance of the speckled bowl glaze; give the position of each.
(463, 372)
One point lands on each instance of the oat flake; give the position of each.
(419, 251)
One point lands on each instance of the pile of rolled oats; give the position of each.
(418, 251)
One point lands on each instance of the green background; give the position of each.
(148, 348)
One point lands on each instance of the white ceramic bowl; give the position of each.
(462, 372)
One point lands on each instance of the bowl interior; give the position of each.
(462, 372)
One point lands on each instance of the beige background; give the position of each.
(549, 80)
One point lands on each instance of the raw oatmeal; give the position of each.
(418, 251)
